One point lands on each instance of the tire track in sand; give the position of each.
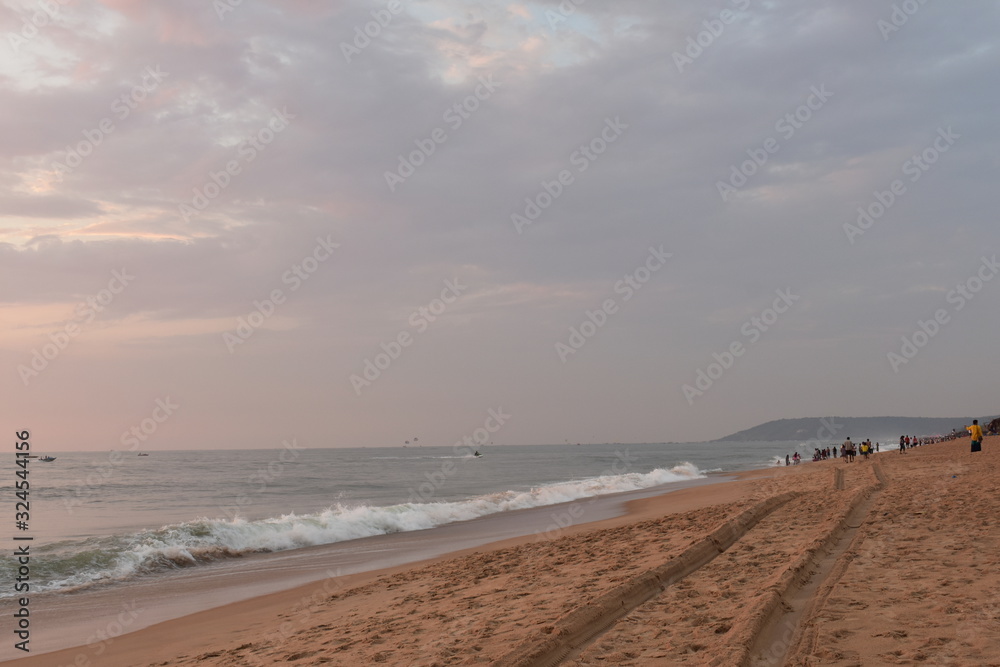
(788, 627)
(578, 628)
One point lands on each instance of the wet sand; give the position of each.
(64, 620)
(887, 561)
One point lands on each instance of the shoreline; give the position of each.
(822, 495)
(174, 595)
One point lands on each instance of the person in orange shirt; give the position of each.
(977, 435)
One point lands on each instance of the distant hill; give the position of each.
(837, 429)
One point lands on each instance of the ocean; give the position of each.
(101, 519)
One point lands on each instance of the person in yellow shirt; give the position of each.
(977, 435)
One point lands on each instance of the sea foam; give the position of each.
(116, 558)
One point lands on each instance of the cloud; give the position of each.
(558, 79)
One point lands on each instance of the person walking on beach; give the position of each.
(902, 444)
(788, 460)
(977, 435)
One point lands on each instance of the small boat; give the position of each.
(47, 458)
(141, 454)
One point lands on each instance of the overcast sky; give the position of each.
(568, 214)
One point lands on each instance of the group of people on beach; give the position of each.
(907, 442)
(824, 453)
(849, 450)
(975, 434)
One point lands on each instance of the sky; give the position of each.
(229, 224)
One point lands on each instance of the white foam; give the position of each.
(206, 539)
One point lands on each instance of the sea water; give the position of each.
(107, 518)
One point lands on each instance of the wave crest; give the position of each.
(104, 560)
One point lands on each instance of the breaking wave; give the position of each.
(71, 565)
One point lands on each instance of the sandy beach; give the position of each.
(887, 561)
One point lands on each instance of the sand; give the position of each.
(887, 561)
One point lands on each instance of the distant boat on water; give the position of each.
(46, 458)
(142, 454)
